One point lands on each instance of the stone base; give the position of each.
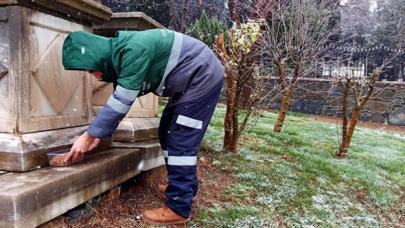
(155, 177)
(137, 129)
(30, 199)
(23, 152)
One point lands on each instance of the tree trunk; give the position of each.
(360, 102)
(232, 133)
(172, 15)
(184, 16)
(285, 103)
(344, 146)
(284, 100)
(234, 148)
(230, 109)
(345, 99)
(234, 145)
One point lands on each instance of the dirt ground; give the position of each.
(370, 125)
(124, 206)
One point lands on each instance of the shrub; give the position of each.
(206, 29)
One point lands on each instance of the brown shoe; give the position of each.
(161, 189)
(163, 216)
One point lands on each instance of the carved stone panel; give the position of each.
(4, 104)
(37, 96)
(4, 67)
(3, 15)
(56, 98)
(145, 106)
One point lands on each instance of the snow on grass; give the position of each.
(292, 178)
(335, 205)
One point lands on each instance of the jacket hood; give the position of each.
(86, 51)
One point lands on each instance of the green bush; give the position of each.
(206, 29)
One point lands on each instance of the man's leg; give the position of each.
(164, 125)
(165, 122)
(186, 133)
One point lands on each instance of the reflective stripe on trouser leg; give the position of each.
(186, 133)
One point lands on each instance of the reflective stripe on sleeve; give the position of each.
(182, 160)
(117, 105)
(189, 122)
(173, 60)
(128, 94)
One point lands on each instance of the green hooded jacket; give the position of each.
(134, 60)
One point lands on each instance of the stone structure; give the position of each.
(32, 198)
(36, 94)
(44, 108)
(317, 96)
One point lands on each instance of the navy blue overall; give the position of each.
(196, 83)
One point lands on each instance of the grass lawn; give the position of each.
(293, 179)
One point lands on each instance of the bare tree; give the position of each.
(295, 41)
(357, 89)
(241, 70)
(179, 20)
(361, 28)
(260, 9)
(242, 10)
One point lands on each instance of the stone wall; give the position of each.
(318, 96)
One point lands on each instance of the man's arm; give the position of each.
(117, 106)
(105, 123)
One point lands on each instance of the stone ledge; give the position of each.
(83, 10)
(30, 199)
(144, 146)
(23, 152)
(128, 21)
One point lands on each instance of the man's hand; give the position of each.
(81, 146)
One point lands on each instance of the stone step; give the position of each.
(32, 198)
(137, 129)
